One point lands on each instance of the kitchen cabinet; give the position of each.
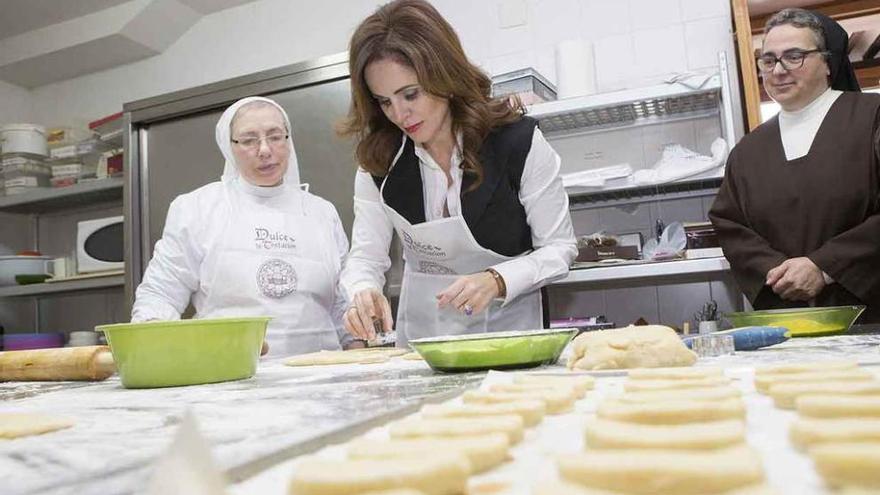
(45, 220)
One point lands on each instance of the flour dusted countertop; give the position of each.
(254, 424)
(119, 432)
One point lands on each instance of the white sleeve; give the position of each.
(371, 236)
(173, 274)
(546, 205)
(340, 301)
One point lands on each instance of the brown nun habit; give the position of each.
(824, 205)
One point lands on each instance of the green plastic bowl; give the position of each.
(185, 352)
(801, 322)
(494, 350)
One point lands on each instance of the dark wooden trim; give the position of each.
(837, 10)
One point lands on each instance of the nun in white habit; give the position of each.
(256, 243)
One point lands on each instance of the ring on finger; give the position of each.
(468, 309)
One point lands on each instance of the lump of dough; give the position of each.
(674, 373)
(805, 367)
(784, 394)
(764, 382)
(531, 411)
(650, 346)
(838, 406)
(604, 434)
(671, 412)
(583, 383)
(848, 463)
(438, 474)
(556, 401)
(697, 393)
(482, 451)
(15, 425)
(511, 425)
(638, 471)
(806, 432)
(647, 385)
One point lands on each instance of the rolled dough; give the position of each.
(842, 464)
(531, 411)
(483, 451)
(838, 406)
(671, 412)
(511, 425)
(764, 382)
(698, 393)
(646, 385)
(16, 425)
(557, 402)
(806, 432)
(784, 394)
(604, 434)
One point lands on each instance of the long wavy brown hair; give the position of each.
(413, 33)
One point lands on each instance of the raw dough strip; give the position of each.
(482, 451)
(671, 412)
(684, 373)
(15, 425)
(531, 411)
(764, 382)
(322, 358)
(654, 472)
(511, 425)
(842, 464)
(438, 474)
(700, 393)
(784, 394)
(807, 367)
(517, 388)
(604, 434)
(583, 383)
(645, 385)
(838, 406)
(557, 402)
(806, 432)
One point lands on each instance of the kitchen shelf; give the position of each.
(627, 107)
(691, 270)
(50, 199)
(62, 287)
(643, 194)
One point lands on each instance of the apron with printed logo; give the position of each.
(436, 253)
(269, 263)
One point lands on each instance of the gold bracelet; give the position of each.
(499, 281)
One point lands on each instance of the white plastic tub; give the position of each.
(10, 266)
(27, 139)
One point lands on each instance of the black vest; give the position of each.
(492, 211)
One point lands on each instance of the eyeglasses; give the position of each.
(790, 60)
(252, 142)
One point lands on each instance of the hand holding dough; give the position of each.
(650, 346)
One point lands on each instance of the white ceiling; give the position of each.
(44, 41)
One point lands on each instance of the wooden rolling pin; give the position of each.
(90, 363)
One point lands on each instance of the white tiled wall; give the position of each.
(637, 42)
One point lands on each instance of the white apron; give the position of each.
(269, 263)
(436, 253)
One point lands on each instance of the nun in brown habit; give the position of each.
(798, 213)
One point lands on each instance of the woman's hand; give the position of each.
(796, 279)
(369, 305)
(469, 294)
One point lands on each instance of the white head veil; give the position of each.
(222, 134)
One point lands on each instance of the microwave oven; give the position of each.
(99, 245)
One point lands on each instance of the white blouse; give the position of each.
(798, 129)
(541, 194)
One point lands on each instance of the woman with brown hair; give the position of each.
(467, 181)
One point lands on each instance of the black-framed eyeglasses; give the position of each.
(790, 60)
(253, 142)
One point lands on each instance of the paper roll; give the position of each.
(575, 69)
